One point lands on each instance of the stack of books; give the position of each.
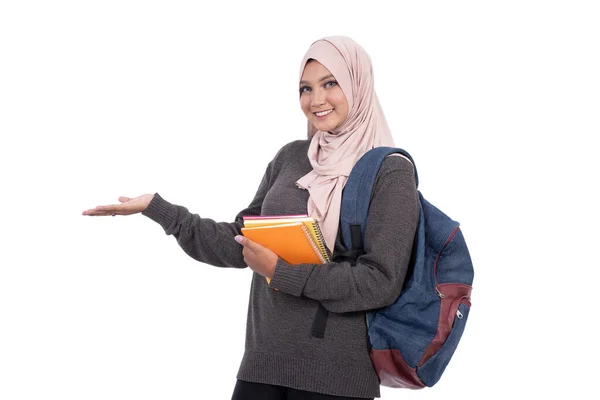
(297, 239)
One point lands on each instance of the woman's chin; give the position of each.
(324, 127)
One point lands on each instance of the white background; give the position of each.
(498, 102)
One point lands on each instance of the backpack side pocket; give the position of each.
(431, 371)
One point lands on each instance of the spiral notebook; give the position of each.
(296, 239)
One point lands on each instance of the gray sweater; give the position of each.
(279, 347)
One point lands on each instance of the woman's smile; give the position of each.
(323, 114)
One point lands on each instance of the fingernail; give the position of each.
(239, 239)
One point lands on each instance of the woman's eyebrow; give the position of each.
(322, 79)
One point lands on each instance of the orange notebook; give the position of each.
(292, 242)
(311, 224)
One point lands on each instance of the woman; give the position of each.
(282, 360)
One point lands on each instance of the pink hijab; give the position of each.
(333, 154)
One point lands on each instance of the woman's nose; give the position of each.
(318, 98)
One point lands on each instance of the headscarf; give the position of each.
(333, 154)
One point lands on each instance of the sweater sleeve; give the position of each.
(378, 276)
(204, 239)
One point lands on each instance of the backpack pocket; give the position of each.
(431, 371)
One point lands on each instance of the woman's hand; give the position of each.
(260, 259)
(128, 206)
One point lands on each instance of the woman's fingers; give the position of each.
(110, 207)
(96, 213)
(115, 207)
(107, 210)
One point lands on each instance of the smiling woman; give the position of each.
(284, 358)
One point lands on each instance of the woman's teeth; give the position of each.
(324, 113)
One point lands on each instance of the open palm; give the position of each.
(128, 206)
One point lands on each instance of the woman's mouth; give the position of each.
(323, 114)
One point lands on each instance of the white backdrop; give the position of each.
(497, 102)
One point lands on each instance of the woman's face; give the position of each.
(321, 98)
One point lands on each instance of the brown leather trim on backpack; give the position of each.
(452, 295)
(393, 370)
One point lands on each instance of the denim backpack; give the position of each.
(413, 339)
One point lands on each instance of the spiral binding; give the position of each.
(312, 243)
(321, 241)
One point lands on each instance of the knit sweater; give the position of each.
(279, 347)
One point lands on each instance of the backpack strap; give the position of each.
(356, 196)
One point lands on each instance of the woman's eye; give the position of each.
(330, 84)
(304, 89)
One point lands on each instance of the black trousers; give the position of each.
(260, 391)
